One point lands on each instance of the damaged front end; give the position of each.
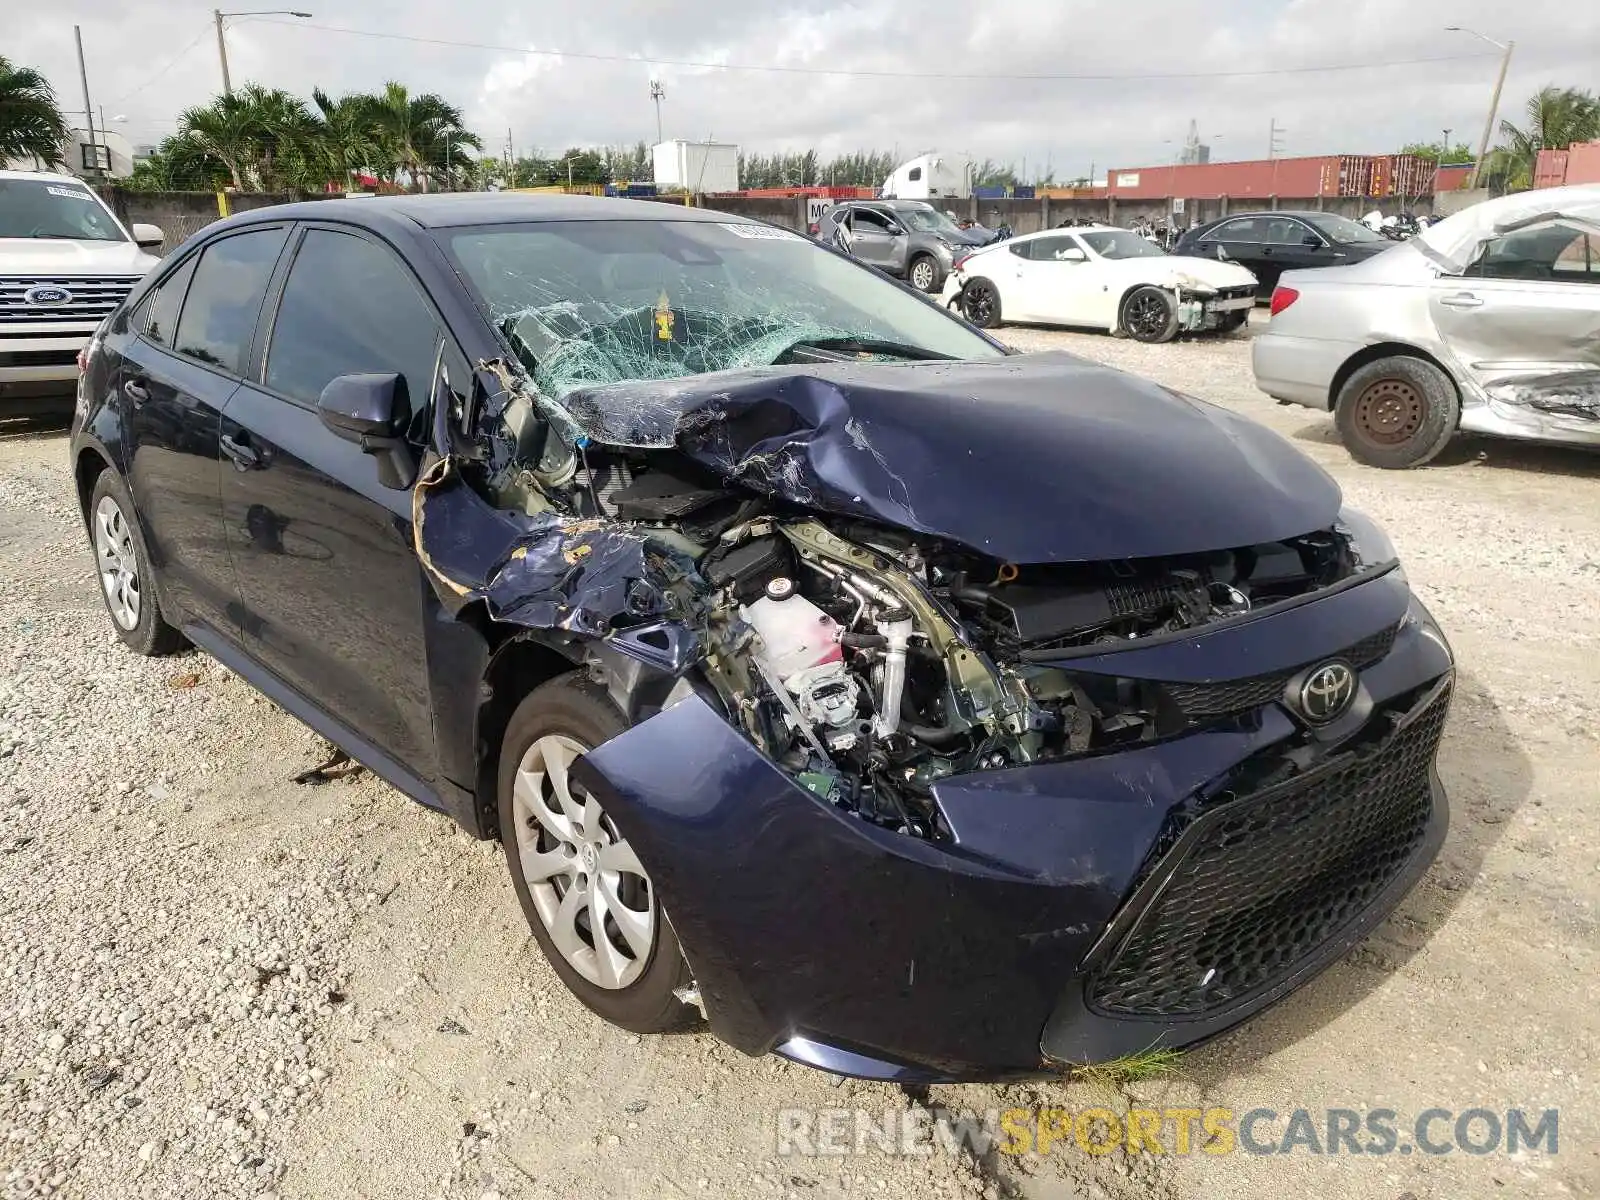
(962, 657)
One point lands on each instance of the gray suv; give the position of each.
(907, 238)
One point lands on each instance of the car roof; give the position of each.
(1305, 214)
(450, 209)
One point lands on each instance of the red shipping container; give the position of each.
(1260, 179)
(1583, 162)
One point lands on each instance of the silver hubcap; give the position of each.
(587, 885)
(118, 562)
(922, 275)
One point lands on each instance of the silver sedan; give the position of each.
(1487, 322)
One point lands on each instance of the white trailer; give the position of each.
(697, 166)
(931, 177)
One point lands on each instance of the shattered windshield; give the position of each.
(587, 304)
(927, 220)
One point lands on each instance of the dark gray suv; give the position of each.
(907, 238)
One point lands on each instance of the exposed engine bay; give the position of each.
(792, 541)
(870, 662)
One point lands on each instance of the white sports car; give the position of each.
(1102, 277)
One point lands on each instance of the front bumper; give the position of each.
(837, 943)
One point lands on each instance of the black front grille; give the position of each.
(38, 358)
(93, 297)
(1206, 701)
(1256, 884)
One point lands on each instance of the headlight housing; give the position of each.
(1369, 544)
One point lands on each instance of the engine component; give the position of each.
(827, 695)
(895, 628)
(795, 633)
(748, 567)
(658, 496)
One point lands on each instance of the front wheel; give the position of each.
(1397, 412)
(923, 274)
(1149, 315)
(589, 901)
(980, 302)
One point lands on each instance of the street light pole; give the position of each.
(88, 110)
(222, 42)
(1494, 99)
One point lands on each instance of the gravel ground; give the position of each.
(214, 982)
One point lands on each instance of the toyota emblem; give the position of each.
(1327, 692)
(46, 295)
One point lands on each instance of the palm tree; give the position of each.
(1557, 117)
(282, 130)
(31, 125)
(344, 133)
(224, 129)
(419, 133)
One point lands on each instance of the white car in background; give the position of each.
(66, 262)
(1102, 277)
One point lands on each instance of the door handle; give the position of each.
(135, 391)
(1462, 300)
(243, 454)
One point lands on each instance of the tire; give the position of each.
(1149, 315)
(923, 273)
(122, 567)
(571, 713)
(980, 304)
(1397, 412)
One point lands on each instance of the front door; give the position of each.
(333, 596)
(1241, 240)
(1520, 320)
(875, 241)
(185, 350)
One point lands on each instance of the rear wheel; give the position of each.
(123, 565)
(589, 901)
(1149, 315)
(1397, 412)
(981, 304)
(923, 273)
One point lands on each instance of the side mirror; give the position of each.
(148, 236)
(1310, 239)
(1072, 255)
(373, 411)
(895, 230)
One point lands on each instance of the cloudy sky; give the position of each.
(148, 59)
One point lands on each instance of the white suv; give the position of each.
(66, 262)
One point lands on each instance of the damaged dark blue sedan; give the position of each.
(906, 707)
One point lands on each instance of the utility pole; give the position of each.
(222, 53)
(1494, 108)
(1274, 132)
(658, 94)
(511, 161)
(88, 109)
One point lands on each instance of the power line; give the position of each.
(162, 70)
(772, 68)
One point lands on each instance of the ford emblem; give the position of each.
(46, 295)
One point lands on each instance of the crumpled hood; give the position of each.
(1211, 272)
(1028, 458)
(73, 256)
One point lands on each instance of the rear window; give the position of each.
(225, 295)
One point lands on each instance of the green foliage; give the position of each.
(31, 125)
(1557, 117)
(269, 140)
(1456, 152)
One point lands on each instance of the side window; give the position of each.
(1554, 252)
(224, 300)
(914, 174)
(1022, 249)
(1245, 229)
(158, 315)
(349, 307)
(1050, 249)
(870, 221)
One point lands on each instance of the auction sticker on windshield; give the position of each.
(70, 193)
(762, 233)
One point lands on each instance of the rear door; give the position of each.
(190, 340)
(333, 595)
(1521, 319)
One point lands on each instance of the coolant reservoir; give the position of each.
(795, 633)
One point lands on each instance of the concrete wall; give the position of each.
(183, 214)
